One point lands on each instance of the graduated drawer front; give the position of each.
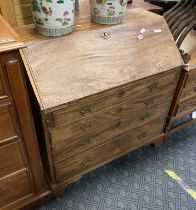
(142, 88)
(75, 145)
(191, 77)
(83, 162)
(7, 127)
(14, 187)
(11, 159)
(186, 107)
(189, 86)
(135, 111)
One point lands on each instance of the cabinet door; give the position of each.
(15, 72)
(23, 169)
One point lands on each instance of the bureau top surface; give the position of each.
(9, 40)
(88, 62)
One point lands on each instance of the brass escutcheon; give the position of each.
(105, 35)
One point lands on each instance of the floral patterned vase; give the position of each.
(107, 11)
(53, 17)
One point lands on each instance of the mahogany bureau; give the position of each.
(101, 92)
(21, 175)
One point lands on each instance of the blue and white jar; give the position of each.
(53, 17)
(107, 11)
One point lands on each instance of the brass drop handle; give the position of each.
(145, 116)
(119, 123)
(119, 109)
(149, 101)
(121, 94)
(153, 86)
(87, 161)
(85, 110)
(117, 141)
(86, 141)
(141, 135)
(87, 125)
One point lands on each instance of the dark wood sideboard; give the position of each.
(101, 92)
(21, 176)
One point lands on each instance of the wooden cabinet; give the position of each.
(21, 175)
(184, 102)
(96, 99)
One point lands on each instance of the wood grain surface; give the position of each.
(9, 39)
(82, 64)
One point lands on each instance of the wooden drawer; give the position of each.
(11, 159)
(7, 127)
(135, 114)
(138, 90)
(189, 84)
(186, 107)
(103, 153)
(188, 93)
(73, 146)
(14, 187)
(191, 76)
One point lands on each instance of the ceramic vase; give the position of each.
(107, 11)
(53, 17)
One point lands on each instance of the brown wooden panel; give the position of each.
(134, 114)
(14, 187)
(186, 107)
(23, 14)
(83, 162)
(2, 84)
(91, 69)
(2, 91)
(189, 88)
(191, 81)
(7, 128)
(75, 145)
(11, 159)
(141, 89)
(7, 9)
(22, 2)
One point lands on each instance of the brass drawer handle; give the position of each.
(153, 86)
(87, 125)
(85, 110)
(119, 110)
(145, 116)
(149, 101)
(86, 141)
(141, 135)
(87, 161)
(119, 123)
(121, 94)
(117, 141)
